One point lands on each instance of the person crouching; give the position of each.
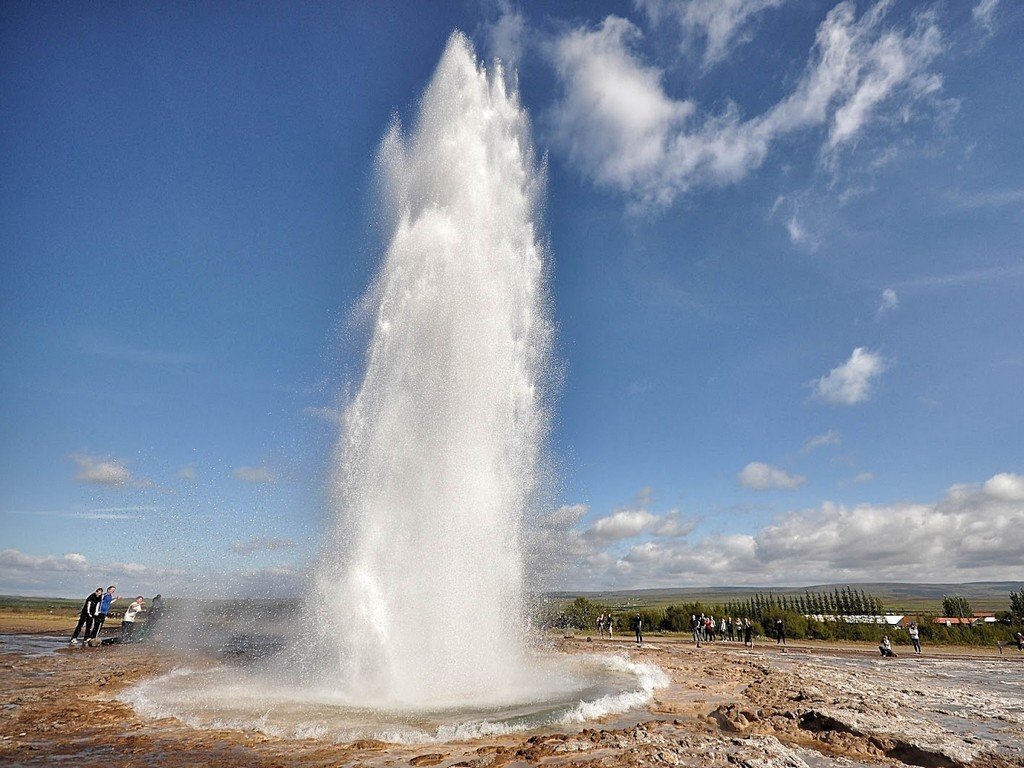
(130, 615)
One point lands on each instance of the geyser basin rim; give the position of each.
(203, 698)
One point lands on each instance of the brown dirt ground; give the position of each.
(725, 707)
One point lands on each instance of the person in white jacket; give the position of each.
(915, 637)
(131, 613)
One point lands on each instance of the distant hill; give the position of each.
(897, 596)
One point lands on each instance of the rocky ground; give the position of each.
(726, 706)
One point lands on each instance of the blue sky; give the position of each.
(787, 276)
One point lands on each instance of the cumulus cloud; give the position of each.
(764, 477)
(976, 532)
(1005, 487)
(257, 544)
(829, 437)
(889, 302)
(100, 471)
(106, 471)
(850, 383)
(73, 574)
(260, 475)
(623, 130)
(623, 524)
(723, 24)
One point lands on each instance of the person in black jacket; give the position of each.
(90, 608)
(638, 628)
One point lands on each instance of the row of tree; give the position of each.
(797, 612)
(842, 601)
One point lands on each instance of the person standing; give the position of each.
(915, 637)
(108, 599)
(748, 633)
(638, 627)
(610, 621)
(128, 622)
(780, 632)
(85, 619)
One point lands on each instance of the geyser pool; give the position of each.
(417, 627)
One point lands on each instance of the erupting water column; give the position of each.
(422, 584)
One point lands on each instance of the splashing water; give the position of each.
(423, 580)
(420, 624)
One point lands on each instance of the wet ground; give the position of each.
(724, 706)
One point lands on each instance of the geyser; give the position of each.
(416, 628)
(421, 584)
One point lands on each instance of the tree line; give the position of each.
(842, 601)
(800, 615)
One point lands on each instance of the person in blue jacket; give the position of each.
(108, 599)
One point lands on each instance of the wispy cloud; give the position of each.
(621, 128)
(829, 437)
(995, 273)
(260, 475)
(996, 198)
(722, 24)
(100, 513)
(984, 15)
(258, 544)
(851, 382)
(889, 302)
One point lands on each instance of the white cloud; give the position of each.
(889, 302)
(106, 471)
(259, 474)
(623, 524)
(829, 437)
(73, 574)
(974, 533)
(724, 24)
(984, 14)
(1005, 486)
(850, 383)
(188, 473)
(619, 125)
(763, 477)
(100, 471)
(257, 544)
